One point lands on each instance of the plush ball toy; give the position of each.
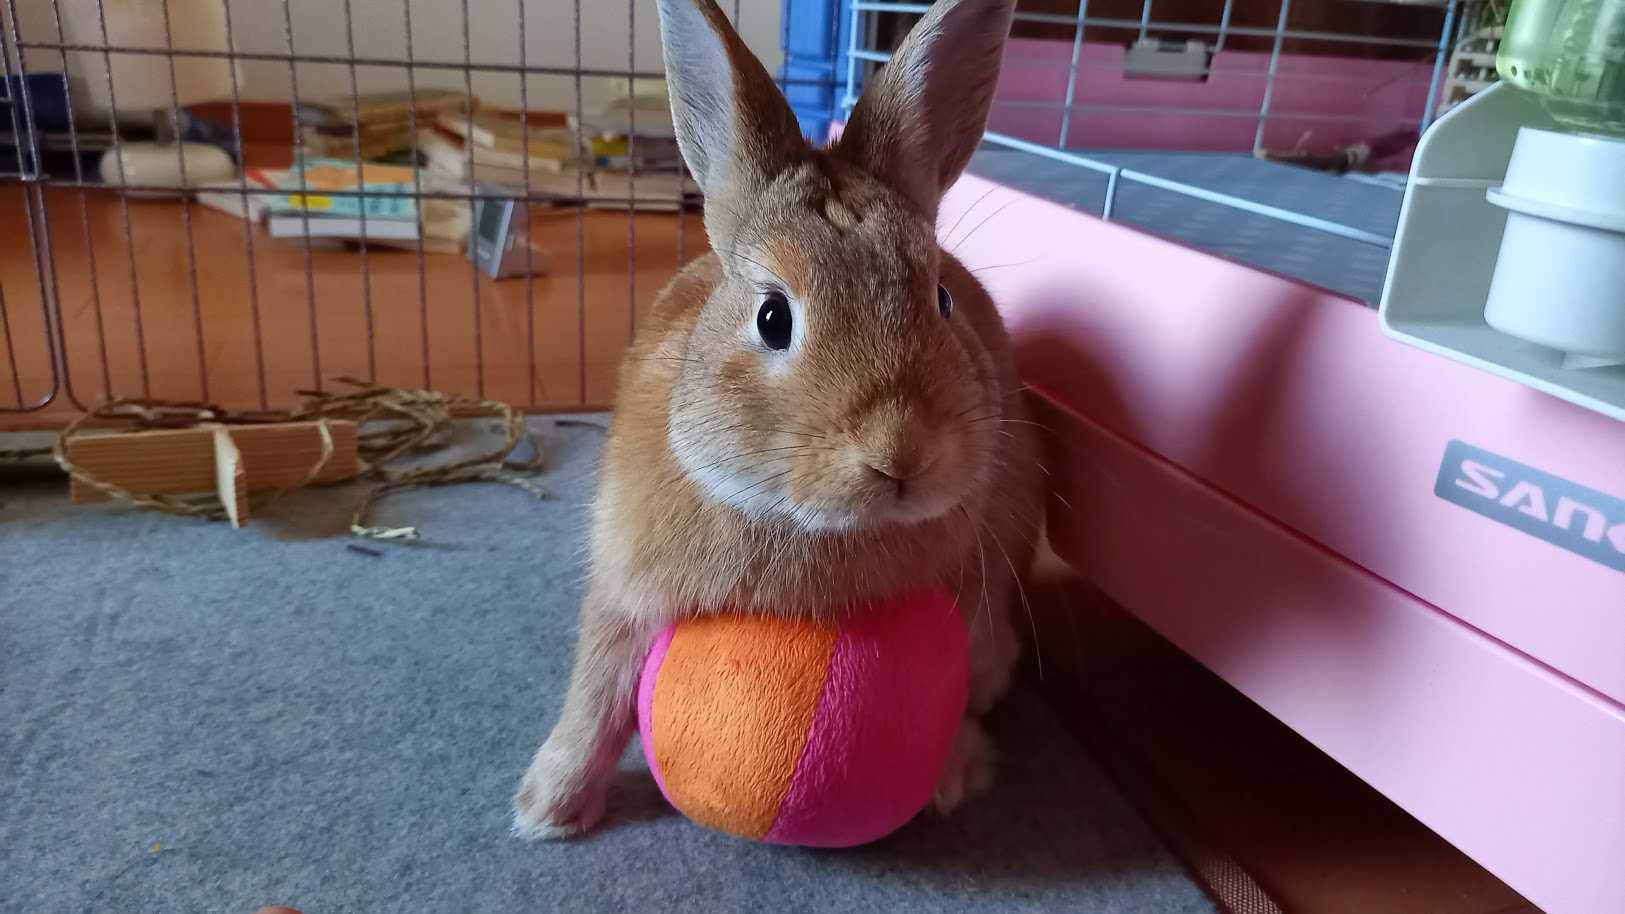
(798, 732)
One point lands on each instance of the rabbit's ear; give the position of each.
(733, 125)
(921, 118)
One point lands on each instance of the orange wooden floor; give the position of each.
(551, 343)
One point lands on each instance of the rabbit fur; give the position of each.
(884, 446)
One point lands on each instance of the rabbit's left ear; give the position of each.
(918, 123)
(733, 125)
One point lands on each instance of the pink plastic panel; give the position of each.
(1291, 400)
(1521, 769)
(1377, 96)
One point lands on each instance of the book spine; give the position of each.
(338, 204)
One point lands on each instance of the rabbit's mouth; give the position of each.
(890, 505)
(829, 489)
(853, 489)
(899, 460)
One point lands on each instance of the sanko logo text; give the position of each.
(1566, 514)
(1529, 498)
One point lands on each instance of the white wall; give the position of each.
(379, 32)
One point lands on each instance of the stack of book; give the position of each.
(491, 145)
(634, 145)
(565, 164)
(638, 109)
(618, 152)
(321, 201)
(633, 131)
(335, 201)
(382, 123)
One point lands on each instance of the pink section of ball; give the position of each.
(646, 702)
(885, 724)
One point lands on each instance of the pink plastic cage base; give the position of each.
(1265, 440)
(1318, 104)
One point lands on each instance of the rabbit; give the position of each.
(823, 407)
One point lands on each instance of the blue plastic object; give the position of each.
(45, 111)
(47, 97)
(815, 37)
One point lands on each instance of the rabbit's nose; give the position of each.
(896, 446)
(899, 468)
(886, 471)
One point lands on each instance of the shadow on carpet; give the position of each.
(194, 719)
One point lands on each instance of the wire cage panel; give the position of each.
(1155, 107)
(30, 377)
(116, 286)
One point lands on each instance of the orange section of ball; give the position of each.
(732, 710)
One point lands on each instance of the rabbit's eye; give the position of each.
(945, 302)
(773, 321)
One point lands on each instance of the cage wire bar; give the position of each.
(69, 371)
(18, 166)
(20, 116)
(861, 51)
(74, 366)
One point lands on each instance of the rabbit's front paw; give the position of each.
(554, 801)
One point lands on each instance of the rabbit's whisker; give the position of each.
(1014, 200)
(968, 210)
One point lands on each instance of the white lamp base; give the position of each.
(154, 169)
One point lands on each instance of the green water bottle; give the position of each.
(1570, 55)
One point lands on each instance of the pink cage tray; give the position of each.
(1250, 466)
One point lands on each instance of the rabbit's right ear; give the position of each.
(733, 125)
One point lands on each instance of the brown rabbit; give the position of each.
(823, 407)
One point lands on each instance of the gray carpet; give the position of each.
(199, 720)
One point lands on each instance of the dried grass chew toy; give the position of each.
(799, 732)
